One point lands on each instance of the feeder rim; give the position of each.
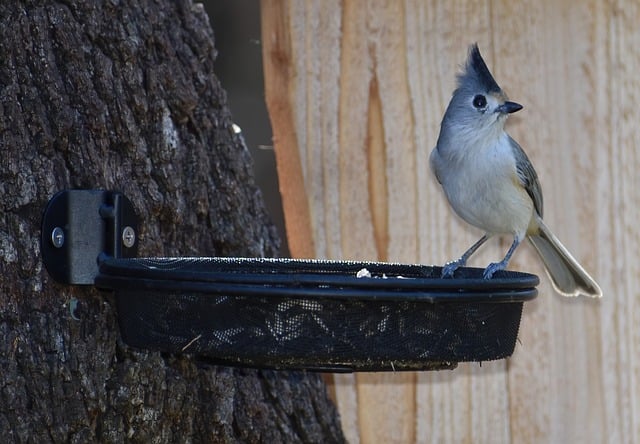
(142, 274)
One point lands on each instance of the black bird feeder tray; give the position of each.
(282, 313)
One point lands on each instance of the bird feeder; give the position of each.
(336, 316)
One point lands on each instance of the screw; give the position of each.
(57, 237)
(128, 236)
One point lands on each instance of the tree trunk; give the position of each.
(122, 96)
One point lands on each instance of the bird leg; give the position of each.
(496, 266)
(450, 267)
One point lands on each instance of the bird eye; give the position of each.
(479, 101)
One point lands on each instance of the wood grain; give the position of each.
(373, 80)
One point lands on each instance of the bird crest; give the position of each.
(476, 72)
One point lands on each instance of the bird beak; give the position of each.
(508, 108)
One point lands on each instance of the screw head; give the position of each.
(57, 237)
(128, 236)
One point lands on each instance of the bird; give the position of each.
(490, 182)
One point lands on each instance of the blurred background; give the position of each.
(236, 26)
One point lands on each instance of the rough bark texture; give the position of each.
(122, 96)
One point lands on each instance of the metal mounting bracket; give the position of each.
(79, 227)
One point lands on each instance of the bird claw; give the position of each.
(450, 267)
(492, 268)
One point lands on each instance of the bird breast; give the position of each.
(482, 186)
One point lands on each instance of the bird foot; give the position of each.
(492, 268)
(450, 267)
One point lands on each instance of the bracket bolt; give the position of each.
(57, 237)
(128, 237)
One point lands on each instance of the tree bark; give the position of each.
(122, 96)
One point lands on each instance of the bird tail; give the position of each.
(567, 275)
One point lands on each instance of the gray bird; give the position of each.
(490, 182)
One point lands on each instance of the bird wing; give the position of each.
(527, 175)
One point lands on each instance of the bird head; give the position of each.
(478, 104)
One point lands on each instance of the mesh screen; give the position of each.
(319, 333)
(316, 315)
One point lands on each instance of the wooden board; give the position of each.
(364, 85)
